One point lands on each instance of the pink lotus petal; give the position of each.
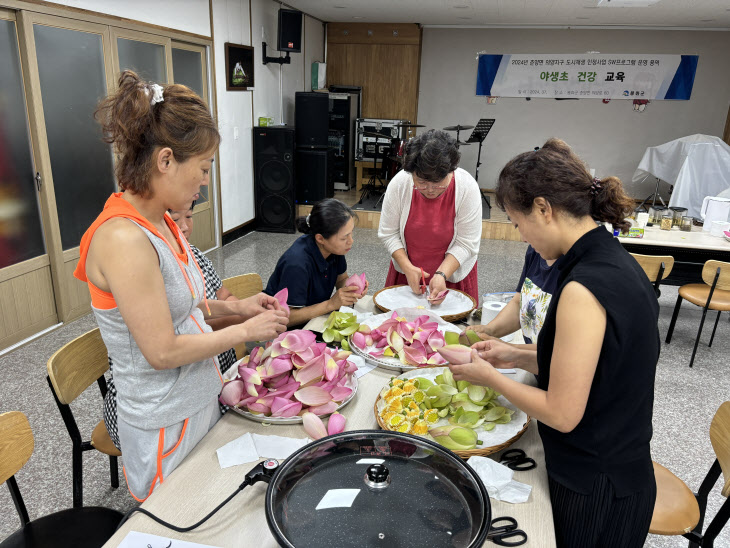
(436, 340)
(414, 356)
(232, 392)
(259, 408)
(299, 359)
(280, 380)
(312, 396)
(368, 340)
(278, 365)
(382, 343)
(455, 353)
(377, 353)
(429, 326)
(319, 348)
(282, 296)
(341, 393)
(309, 375)
(364, 329)
(342, 355)
(394, 315)
(436, 359)
(276, 350)
(358, 339)
(313, 426)
(395, 341)
(336, 424)
(298, 340)
(287, 391)
(350, 367)
(285, 408)
(325, 409)
(331, 369)
(245, 402)
(254, 358)
(376, 334)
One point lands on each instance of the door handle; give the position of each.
(38, 181)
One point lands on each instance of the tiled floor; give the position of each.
(685, 400)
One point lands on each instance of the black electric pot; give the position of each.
(408, 492)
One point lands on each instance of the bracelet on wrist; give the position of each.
(441, 273)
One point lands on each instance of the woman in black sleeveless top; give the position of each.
(596, 355)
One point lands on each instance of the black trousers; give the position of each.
(601, 519)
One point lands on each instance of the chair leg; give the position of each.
(717, 320)
(114, 469)
(78, 479)
(674, 319)
(699, 334)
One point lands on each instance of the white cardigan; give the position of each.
(467, 222)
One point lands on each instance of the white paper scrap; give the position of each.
(497, 478)
(277, 447)
(338, 498)
(363, 367)
(135, 539)
(370, 461)
(239, 451)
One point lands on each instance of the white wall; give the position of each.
(188, 15)
(610, 137)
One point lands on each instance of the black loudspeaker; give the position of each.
(311, 115)
(273, 161)
(313, 181)
(289, 35)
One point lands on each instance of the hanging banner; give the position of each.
(585, 76)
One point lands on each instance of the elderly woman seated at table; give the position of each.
(431, 221)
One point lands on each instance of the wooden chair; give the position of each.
(677, 510)
(714, 294)
(79, 527)
(242, 287)
(656, 267)
(71, 370)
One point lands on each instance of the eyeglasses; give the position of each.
(427, 185)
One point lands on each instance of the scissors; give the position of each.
(516, 459)
(504, 531)
(424, 287)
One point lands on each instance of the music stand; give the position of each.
(371, 186)
(477, 136)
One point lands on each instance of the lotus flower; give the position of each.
(232, 392)
(336, 424)
(282, 297)
(314, 426)
(312, 396)
(455, 353)
(357, 281)
(282, 407)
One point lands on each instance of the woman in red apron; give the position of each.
(431, 221)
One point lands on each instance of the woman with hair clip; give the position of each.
(315, 263)
(595, 389)
(147, 291)
(431, 221)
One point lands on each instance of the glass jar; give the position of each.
(666, 220)
(658, 214)
(686, 225)
(678, 213)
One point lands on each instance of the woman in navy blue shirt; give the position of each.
(595, 392)
(315, 263)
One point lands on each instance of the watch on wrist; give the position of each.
(441, 273)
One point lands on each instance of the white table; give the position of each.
(199, 484)
(690, 250)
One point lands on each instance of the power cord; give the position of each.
(263, 471)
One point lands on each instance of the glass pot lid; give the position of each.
(377, 488)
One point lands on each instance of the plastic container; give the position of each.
(666, 220)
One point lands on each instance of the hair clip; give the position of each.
(595, 186)
(157, 91)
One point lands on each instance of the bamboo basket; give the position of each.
(481, 451)
(451, 318)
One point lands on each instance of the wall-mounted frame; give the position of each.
(239, 67)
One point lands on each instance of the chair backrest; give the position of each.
(16, 443)
(709, 271)
(651, 264)
(244, 285)
(77, 365)
(720, 438)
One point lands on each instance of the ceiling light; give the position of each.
(624, 3)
